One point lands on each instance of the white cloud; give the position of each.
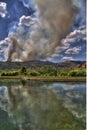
(4, 47)
(74, 36)
(71, 39)
(61, 48)
(67, 58)
(3, 7)
(27, 21)
(71, 45)
(77, 34)
(74, 50)
(27, 3)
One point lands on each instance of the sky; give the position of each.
(49, 30)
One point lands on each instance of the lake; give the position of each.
(42, 105)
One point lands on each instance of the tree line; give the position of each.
(45, 71)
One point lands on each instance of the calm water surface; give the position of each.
(42, 106)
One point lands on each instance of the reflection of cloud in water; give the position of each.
(73, 96)
(39, 108)
(4, 98)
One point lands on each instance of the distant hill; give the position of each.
(37, 64)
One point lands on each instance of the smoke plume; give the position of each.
(36, 36)
(54, 21)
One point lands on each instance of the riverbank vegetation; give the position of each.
(43, 72)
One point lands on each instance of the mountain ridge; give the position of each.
(37, 64)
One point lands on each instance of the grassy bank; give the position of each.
(57, 79)
(51, 79)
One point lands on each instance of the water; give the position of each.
(42, 106)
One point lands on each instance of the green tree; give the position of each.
(23, 70)
(77, 73)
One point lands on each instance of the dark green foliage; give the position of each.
(77, 73)
(34, 73)
(3, 74)
(9, 74)
(23, 82)
(48, 70)
(63, 72)
(23, 70)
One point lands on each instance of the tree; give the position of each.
(23, 70)
(77, 73)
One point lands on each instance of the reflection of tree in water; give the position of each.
(38, 108)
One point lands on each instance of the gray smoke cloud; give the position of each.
(45, 36)
(36, 37)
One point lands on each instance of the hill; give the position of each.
(37, 64)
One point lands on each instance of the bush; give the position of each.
(34, 73)
(77, 73)
(48, 70)
(2, 74)
(63, 72)
(9, 74)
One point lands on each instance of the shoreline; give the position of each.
(58, 79)
(74, 79)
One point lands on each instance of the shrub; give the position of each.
(77, 73)
(48, 70)
(2, 74)
(34, 73)
(9, 74)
